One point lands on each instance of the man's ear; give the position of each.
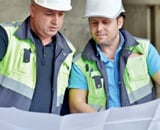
(120, 22)
(32, 8)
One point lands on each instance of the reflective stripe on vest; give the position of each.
(140, 93)
(16, 86)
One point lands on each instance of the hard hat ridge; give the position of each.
(103, 8)
(62, 5)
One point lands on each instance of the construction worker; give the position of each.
(35, 59)
(114, 69)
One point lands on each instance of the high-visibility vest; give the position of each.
(136, 77)
(19, 76)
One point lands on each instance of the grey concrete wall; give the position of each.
(75, 26)
(13, 10)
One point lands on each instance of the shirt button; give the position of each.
(64, 54)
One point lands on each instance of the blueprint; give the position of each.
(138, 117)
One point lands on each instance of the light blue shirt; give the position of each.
(78, 80)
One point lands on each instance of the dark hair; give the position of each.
(122, 15)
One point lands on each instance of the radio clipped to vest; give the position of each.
(27, 55)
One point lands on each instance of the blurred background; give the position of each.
(142, 19)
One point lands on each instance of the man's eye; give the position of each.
(106, 22)
(48, 13)
(61, 14)
(94, 23)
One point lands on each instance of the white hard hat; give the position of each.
(62, 5)
(103, 8)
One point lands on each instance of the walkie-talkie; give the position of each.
(26, 56)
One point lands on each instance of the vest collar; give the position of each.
(90, 51)
(61, 43)
(24, 30)
(129, 39)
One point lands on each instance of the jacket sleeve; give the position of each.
(3, 42)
